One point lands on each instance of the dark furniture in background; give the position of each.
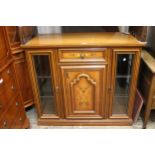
(146, 83)
(76, 29)
(140, 32)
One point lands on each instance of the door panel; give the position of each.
(84, 91)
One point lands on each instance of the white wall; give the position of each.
(49, 29)
(124, 29)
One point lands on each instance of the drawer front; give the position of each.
(6, 75)
(10, 88)
(5, 123)
(14, 108)
(3, 104)
(10, 115)
(74, 55)
(8, 72)
(20, 118)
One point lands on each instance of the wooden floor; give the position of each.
(31, 113)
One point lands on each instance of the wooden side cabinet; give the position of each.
(146, 84)
(83, 85)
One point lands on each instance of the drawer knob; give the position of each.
(8, 71)
(13, 87)
(7, 54)
(5, 124)
(20, 119)
(1, 81)
(82, 55)
(17, 103)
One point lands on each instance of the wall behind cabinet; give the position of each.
(48, 29)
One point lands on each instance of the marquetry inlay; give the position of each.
(83, 87)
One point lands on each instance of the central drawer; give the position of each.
(3, 103)
(82, 55)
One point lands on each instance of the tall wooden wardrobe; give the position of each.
(14, 37)
(15, 89)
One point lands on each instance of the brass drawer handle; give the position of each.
(17, 103)
(82, 55)
(20, 119)
(7, 54)
(13, 87)
(8, 71)
(5, 124)
(1, 80)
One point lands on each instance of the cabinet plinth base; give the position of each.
(105, 122)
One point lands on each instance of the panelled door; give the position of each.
(84, 90)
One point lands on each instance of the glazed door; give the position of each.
(84, 89)
(124, 79)
(45, 86)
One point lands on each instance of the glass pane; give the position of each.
(42, 66)
(45, 86)
(122, 83)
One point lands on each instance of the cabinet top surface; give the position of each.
(105, 39)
